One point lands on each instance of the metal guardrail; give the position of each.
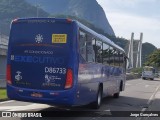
(4, 40)
(2, 81)
(2, 76)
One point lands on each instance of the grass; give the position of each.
(3, 94)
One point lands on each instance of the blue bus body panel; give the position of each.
(91, 75)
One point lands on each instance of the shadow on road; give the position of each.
(110, 107)
(153, 80)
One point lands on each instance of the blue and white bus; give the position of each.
(148, 72)
(62, 62)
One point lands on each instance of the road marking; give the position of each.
(151, 98)
(9, 101)
(149, 101)
(146, 86)
(23, 108)
(139, 83)
(128, 84)
(108, 112)
(157, 95)
(144, 109)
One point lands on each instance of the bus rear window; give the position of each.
(41, 33)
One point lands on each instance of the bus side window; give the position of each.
(94, 48)
(90, 49)
(98, 51)
(121, 59)
(124, 62)
(116, 57)
(111, 53)
(105, 54)
(82, 44)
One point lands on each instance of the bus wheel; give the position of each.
(116, 95)
(97, 103)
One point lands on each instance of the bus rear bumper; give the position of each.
(63, 97)
(147, 77)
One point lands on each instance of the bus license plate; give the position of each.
(36, 95)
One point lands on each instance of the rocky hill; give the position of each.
(147, 49)
(88, 10)
(11, 9)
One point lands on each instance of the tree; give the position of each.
(154, 59)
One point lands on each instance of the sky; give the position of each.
(127, 16)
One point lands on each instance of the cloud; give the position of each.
(138, 7)
(127, 16)
(125, 24)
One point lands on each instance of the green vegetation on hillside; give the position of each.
(11, 9)
(88, 10)
(147, 49)
(154, 59)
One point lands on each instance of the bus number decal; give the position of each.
(55, 70)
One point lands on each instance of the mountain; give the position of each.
(11, 9)
(88, 10)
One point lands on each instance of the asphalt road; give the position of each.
(139, 95)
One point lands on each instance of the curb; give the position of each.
(2, 100)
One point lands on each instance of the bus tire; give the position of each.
(116, 95)
(97, 103)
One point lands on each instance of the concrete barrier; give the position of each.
(2, 81)
(132, 76)
(2, 76)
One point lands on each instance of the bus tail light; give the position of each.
(69, 79)
(8, 74)
(69, 20)
(15, 20)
